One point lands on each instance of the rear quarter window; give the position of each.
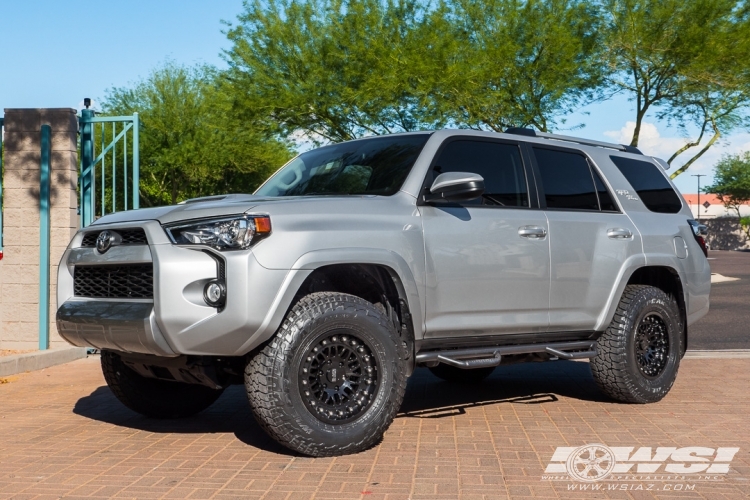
(650, 185)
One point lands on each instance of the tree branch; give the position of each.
(710, 143)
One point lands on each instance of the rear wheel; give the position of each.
(639, 354)
(332, 379)
(459, 375)
(153, 397)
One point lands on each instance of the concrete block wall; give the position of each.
(19, 268)
(725, 233)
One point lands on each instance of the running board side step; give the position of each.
(480, 357)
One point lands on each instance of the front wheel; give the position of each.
(639, 354)
(152, 397)
(332, 378)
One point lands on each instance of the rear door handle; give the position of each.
(534, 232)
(619, 233)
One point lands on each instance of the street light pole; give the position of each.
(699, 193)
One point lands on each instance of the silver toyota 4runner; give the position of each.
(357, 262)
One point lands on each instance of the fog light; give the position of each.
(215, 293)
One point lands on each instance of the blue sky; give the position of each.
(56, 52)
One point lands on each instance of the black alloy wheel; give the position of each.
(652, 345)
(338, 378)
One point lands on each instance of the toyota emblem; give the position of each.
(104, 241)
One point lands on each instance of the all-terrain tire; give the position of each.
(285, 381)
(459, 375)
(639, 353)
(153, 397)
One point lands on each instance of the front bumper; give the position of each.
(128, 327)
(177, 320)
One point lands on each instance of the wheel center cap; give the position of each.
(335, 374)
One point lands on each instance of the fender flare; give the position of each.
(310, 261)
(630, 266)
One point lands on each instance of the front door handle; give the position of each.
(534, 232)
(619, 233)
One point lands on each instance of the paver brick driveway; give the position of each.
(63, 434)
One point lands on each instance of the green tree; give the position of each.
(684, 61)
(191, 143)
(732, 185)
(515, 63)
(333, 69)
(340, 69)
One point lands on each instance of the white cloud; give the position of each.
(650, 140)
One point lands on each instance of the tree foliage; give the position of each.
(732, 181)
(332, 69)
(514, 63)
(685, 61)
(338, 69)
(191, 144)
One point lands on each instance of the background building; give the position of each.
(714, 208)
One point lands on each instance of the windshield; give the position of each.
(370, 166)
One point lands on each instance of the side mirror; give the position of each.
(456, 186)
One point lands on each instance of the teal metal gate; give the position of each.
(109, 135)
(117, 178)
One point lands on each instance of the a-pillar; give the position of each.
(19, 268)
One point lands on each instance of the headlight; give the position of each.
(229, 233)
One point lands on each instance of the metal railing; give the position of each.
(105, 133)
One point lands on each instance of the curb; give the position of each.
(19, 363)
(720, 353)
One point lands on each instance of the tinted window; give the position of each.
(605, 199)
(369, 166)
(499, 164)
(566, 179)
(650, 185)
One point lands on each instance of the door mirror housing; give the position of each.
(456, 186)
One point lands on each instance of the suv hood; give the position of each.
(191, 209)
(211, 206)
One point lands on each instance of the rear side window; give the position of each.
(567, 180)
(650, 185)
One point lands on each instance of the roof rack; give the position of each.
(567, 138)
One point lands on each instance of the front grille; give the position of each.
(122, 281)
(134, 236)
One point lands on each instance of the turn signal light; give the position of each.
(262, 225)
